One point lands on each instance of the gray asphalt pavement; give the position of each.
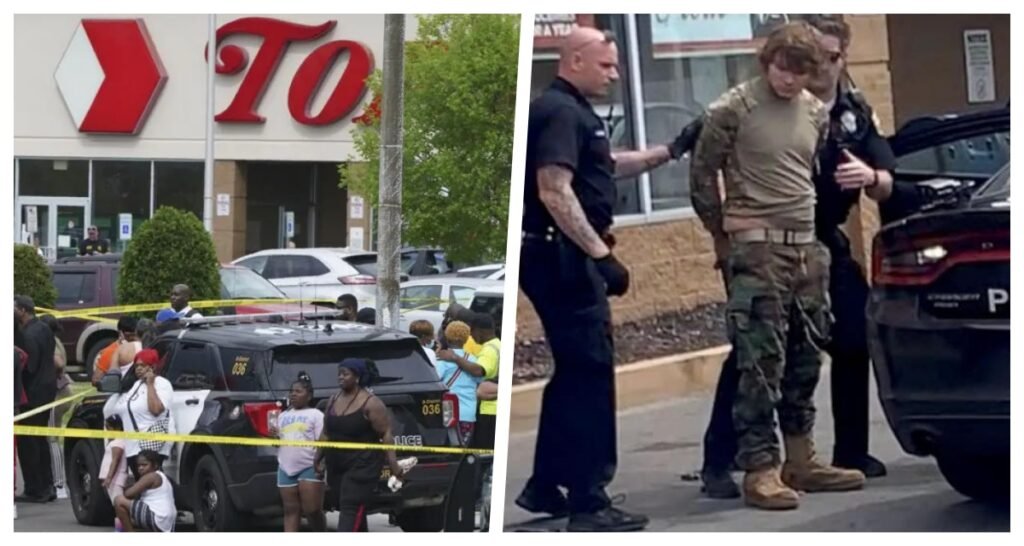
(658, 443)
(58, 517)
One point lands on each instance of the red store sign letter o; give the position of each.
(311, 74)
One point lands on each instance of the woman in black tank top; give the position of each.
(355, 415)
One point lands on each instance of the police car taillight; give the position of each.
(450, 410)
(922, 259)
(263, 416)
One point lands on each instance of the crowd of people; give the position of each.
(465, 353)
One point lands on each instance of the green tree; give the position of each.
(460, 94)
(170, 248)
(32, 277)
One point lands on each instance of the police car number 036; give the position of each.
(431, 407)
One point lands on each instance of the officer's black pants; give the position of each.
(576, 446)
(34, 457)
(850, 363)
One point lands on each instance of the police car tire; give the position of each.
(981, 478)
(91, 506)
(226, 517)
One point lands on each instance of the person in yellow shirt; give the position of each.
(486, 366)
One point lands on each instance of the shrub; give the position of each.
(170, 248)
(32, 277)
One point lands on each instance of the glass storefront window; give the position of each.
(179, 184)
(613, 108)
(678, 84)
(119, 187)
(53, 177)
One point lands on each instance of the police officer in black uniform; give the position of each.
(855, 158)
(567, 270)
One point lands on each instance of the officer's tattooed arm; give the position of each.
(709, 157)
(632, 163)
(555, 185)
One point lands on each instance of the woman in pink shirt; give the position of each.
(302, 489)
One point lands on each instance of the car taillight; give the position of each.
(923, 259)
(358, 279)
(263, 416)
(450, 410)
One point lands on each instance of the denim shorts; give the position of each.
(307, 475)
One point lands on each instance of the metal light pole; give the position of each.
(389, 221)
(211, 68)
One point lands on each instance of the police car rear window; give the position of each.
(396, 362)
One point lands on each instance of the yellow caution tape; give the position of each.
(21, 430)
(90, 314)
(51, 405)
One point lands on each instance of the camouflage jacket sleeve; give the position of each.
(710, 156)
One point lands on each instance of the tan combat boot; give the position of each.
(763, 488)
(803, 472)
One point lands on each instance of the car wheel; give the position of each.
(428, 519)
(983, 478)
(212, 505)
(89, 501)
(93, 352)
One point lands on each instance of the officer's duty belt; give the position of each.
(777, 236)
(549, 235)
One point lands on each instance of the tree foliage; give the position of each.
(170, 248)
(32, 277)
(459, 100)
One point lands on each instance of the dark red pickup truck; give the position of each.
(91, 281)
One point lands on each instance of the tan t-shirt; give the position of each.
(770, 145)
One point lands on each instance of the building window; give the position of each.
(120, 187)
(53, 177)
(682, 70)
(612, 109)
(179, 184)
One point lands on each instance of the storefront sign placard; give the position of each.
(981, 84)
(223, 204)
(124, 221)
(31, 219)
(289, 224)
(356, 209)
(355, 238)
(550, 28)
(676, 35)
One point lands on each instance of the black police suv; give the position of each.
(939, 310)
(231, 376)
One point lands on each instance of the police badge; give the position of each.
(849, 122)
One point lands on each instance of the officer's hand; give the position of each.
(853, 173)
(687, 139)
(721, 252)
(615, 275)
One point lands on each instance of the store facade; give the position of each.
(110, 125)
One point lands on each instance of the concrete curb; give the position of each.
(636, 384)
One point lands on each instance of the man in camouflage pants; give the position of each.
(763, 136)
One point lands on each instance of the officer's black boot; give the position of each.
(543, 500)
(718, 483)
(609, 520)
(869, 465)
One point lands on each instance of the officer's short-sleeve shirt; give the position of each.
(564, 131)
(851, 127)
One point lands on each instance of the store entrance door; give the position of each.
(53, 224)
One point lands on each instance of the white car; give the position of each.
(428, 299)
(320, 274)
(494, 272)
